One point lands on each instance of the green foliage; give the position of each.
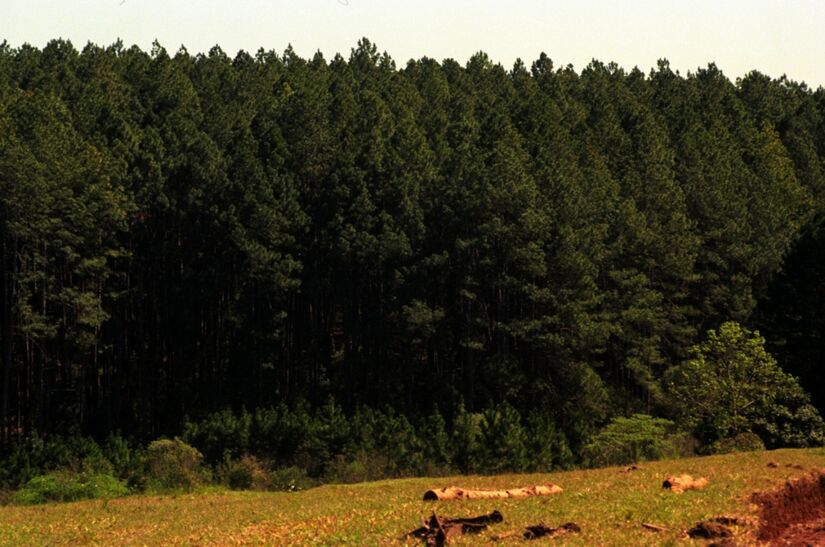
(123, 458)
(465, 439)
(355, 467)
(323, 435)
(437, 452)
(221, 435)
(371, 444)
(69, 486)
(37, 456)
(172, 464)
(290, 479)
(792, 314)
(181, 233)
(629, 440)
(502, 440)
(281, 433)
(732, 385)
(398, 441)
(743, 442)
(546, 446)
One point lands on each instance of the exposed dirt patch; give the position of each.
(795, 513)
(805, 534)
(710, 530)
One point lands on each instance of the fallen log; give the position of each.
(680, 483)
(455, 493)
(437, 530)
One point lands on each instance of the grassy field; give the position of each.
(609, 504)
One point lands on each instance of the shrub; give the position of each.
(24, 461)
(69, 486)
(398, 443)
(248, 473)
(173, 464)
(221, 435)
(743, 442)
(435, 443)
(684, 445)
(279, 433)
(360, 466)
(547, 447)
(81, 454)
(629, 440)
(502, 440)
(290, 479)
(120, 455)
(37, 456)
(465, 434)
(327, 436)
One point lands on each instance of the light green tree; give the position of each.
(629, 440)
(732, 385)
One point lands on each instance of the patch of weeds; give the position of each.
(291, 479)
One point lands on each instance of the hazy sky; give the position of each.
(773, 36)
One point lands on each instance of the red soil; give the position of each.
(795, 513)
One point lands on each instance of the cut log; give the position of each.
(680, 483)
(455, 493)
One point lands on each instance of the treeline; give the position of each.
(321, 444)
(183, 234)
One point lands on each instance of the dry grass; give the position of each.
(610, 505)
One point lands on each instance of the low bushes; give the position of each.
(248, 473)
(293, 448)
(290, 479)
(37, 456)
(172, 464)
(743, 442)
(69, 486)
(75, 468)
(370, 444)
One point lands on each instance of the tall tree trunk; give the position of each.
(6, 331)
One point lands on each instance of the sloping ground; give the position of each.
(795, 513)
(609, 505)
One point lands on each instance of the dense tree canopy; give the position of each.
(185, 233)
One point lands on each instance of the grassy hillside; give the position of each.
(609, 505)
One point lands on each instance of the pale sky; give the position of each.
(773, 36)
